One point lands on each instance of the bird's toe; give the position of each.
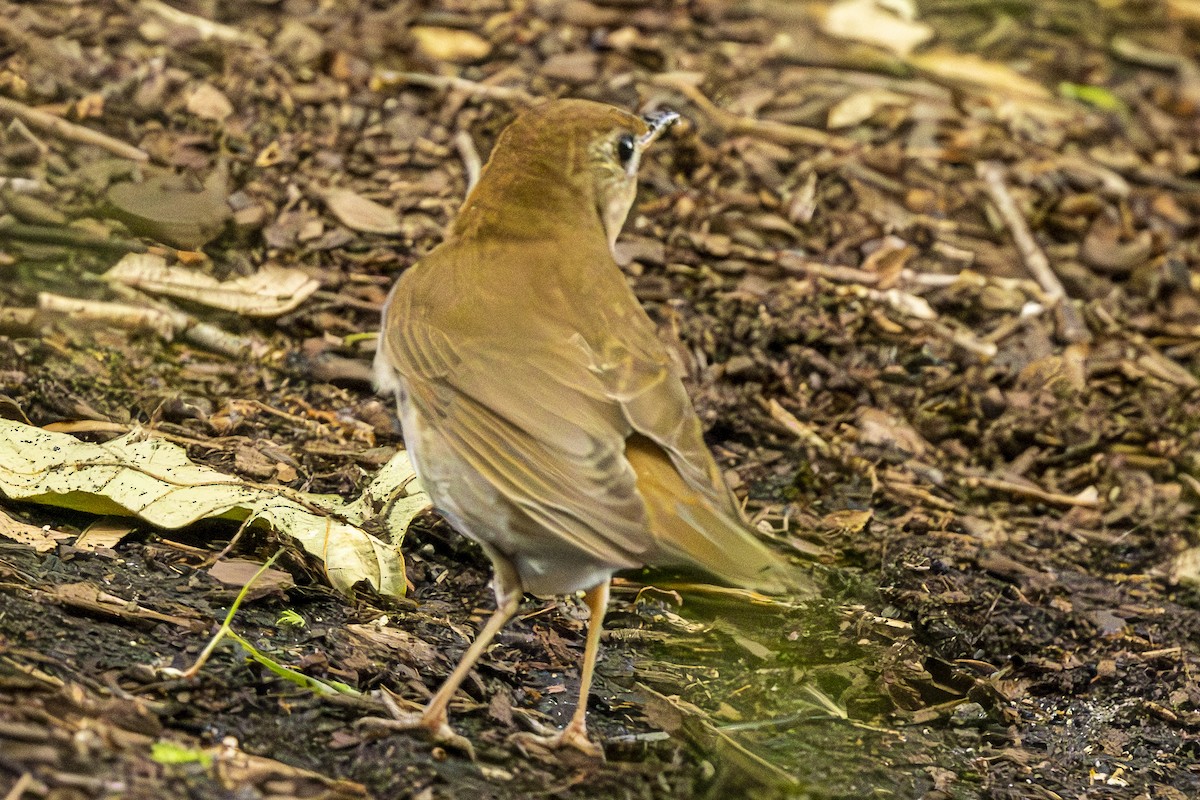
(436, 728)
(573, 736)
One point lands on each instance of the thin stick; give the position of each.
(388, 77)
(800, 430)
(18, 789)
(470, 158)
(206, 28)
(992, 174)
(795, 264)
(69, 130)
(67, 237)
(164, 323)
(778, 132)
(1031, 492)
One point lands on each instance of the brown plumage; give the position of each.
(542, 413)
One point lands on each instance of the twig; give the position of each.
(795, 264)
(388, 77)
(992, 174)
(21, 185)
(18, 790)
(778, 132)
(984, 350)
(1032, 492)
(470, 158)
(161, 322)
(912, 87)
(68, 237)
(800, 430)
(218, 340)
(69, 130)
(206, 28)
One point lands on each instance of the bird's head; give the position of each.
(571, 157)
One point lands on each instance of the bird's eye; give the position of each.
(625, 148)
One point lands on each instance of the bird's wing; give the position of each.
(694, 517)
(537, 424)
(647, 384)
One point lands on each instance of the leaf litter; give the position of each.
(968, 392)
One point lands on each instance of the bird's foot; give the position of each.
(435, 726)
(574, 736)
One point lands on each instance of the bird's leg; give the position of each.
(435, 719)
(575, 733)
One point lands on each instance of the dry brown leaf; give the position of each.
(388, 642)
(360, 214)
(239, 572)
(876, 427)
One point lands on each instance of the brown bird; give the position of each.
(542, 413)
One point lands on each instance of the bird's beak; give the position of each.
(658, 122)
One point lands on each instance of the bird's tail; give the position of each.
(692, 529)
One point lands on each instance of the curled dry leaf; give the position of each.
(271, 291)
(360, 214)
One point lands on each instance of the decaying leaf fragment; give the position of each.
(40, 539)
(171, 209)
(892, 26)
(361, 214)
(154, 480)
(271, 291)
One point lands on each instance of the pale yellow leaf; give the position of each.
(106, 532)
(154, 480)
(1184, 9)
